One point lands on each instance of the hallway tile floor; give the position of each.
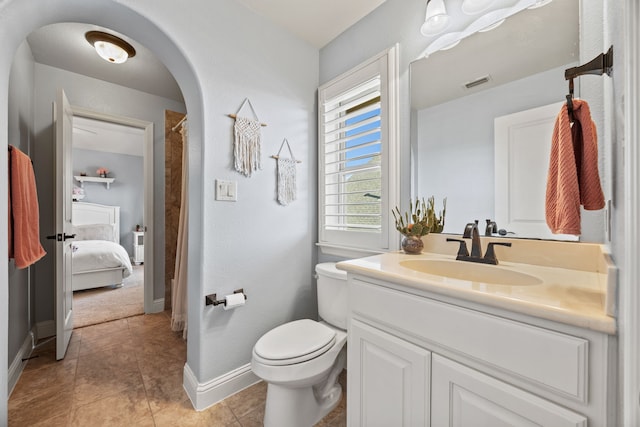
(127, 372)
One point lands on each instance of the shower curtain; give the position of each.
(179, 282)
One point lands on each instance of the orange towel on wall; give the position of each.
(573, 178)
(24, 222)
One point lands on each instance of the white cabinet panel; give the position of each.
(553, 360)
(463, 397)
(388, 379)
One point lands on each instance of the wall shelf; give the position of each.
(83, 179)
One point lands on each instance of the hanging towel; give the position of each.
(573, 178)
(24, 223)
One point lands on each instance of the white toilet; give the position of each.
(301, 360)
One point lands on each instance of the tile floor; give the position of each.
(127, 372)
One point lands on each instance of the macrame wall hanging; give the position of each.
(286, 175)
(246, 144)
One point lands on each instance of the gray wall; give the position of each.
(126, 191)
(103, 97)
(20, 136)
(253, 243)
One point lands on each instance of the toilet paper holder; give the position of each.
(212, 298)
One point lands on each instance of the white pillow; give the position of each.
(95, 232)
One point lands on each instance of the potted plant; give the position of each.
(420, 220)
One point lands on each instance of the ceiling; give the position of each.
(98, 135)
(317, 22)
(64, 46)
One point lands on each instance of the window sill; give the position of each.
(346, 251)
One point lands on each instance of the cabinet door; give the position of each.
(388, 379)
(464, 397)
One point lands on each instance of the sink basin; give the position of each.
(473, 272)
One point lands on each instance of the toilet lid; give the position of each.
(295, 342)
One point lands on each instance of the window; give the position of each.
(357, 156)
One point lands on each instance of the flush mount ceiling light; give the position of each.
(436, 19)
(110, 48)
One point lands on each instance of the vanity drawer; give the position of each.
(555, 361)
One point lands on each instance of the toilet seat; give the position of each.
(294, 342)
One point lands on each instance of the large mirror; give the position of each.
(464, 101)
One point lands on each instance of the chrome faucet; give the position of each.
(471, 232)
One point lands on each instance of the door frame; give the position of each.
(629, 215)
(150, 304)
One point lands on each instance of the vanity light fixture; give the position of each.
(110, 48)
(436, 19)
(492, 26)
(467, 17)
(451, 46)
(472, 7)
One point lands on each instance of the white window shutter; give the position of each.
(355, 151)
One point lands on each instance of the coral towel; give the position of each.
(573, 178)
(24, 228)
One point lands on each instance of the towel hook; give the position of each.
(570, 100)
(601, 64)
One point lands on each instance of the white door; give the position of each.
(522, 149)
(388, 380)
(464, 397)
(63, 116)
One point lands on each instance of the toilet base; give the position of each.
(304, 406)
(297, 407)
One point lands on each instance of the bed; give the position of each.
(98, 258)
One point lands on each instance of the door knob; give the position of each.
(69, 236)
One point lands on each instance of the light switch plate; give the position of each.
(226, 190)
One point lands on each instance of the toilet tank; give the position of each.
(332, 294)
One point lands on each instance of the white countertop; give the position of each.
(570, 296)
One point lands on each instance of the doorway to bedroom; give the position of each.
(108, 166)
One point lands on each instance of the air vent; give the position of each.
(478, 82)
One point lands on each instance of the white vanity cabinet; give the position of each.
(423, 359)
(390, 384)
(465, 397)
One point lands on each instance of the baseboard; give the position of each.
(45, 329)
(158, 305)
(204, 395)
(17, 366)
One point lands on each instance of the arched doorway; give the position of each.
(19, 18)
